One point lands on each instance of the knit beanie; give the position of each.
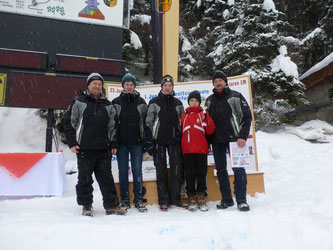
(167, 78)
(128, 78)
(220, 74)
(94, 76)
(194, 94)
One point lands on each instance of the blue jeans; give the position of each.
(136, 165)
(240, 180)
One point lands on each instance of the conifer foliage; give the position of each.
(137, 49)
(253, 37)
(246, 39)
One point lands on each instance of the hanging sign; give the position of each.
(107, 12)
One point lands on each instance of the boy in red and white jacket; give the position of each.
(195, 123)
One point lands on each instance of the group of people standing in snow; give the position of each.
(96, 129)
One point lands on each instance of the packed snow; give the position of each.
(143, 19)
(135, 40)
(269, 5)
(283, 62)
(294, 213)
(311, 35)
(226, 13)
(231, 2)
(322, 64)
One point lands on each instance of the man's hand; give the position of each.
(241, 143)
(114, 151)
(75, 149)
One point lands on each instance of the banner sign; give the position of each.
(3, 78)
(107, 12)
(241, 84)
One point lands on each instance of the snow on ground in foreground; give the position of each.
(296, 212)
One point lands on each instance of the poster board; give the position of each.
(241, 84)
(103, 12)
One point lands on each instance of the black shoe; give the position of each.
(243, 206)
(125, 204)
(164, 207)
(179, 205)
(225, 204)
(141, 207)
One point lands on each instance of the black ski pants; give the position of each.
(168, 194)
(195, 169)
(99, 163)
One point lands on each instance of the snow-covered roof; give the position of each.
(325, 62)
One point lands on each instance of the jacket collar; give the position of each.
(194, 110)
(129, 96)
(100, 97)
(222, 93)
(134, 94)
(161, 94)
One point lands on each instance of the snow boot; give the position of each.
(193, 206)
(225, 204)
(179, 205)
(202, 202)
(125, 204)
(164, 207)
(87, 210)
(141, 207)
(243, 206)
(116, 210)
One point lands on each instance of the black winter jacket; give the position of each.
(91, 123)
(131, 112)
(163, 119)
(231, 115)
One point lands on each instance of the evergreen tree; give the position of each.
(246, 39)
(137, 49)
(319, 42)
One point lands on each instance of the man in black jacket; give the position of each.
(131, 112)
(164, 134)
(232, 117)
(90, 128)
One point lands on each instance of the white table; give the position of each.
(47, 177)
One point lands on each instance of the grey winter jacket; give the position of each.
(92, 124)
(163, 119)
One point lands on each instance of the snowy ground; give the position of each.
(296, 212)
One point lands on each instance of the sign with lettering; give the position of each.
(107, 12)
(241, 84)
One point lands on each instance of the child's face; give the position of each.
(194, 103)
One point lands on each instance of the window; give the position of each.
(330, 94)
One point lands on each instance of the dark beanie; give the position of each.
(128, 78)
(219, 74)
(194, 94)
(167, 78)
(94, 76)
